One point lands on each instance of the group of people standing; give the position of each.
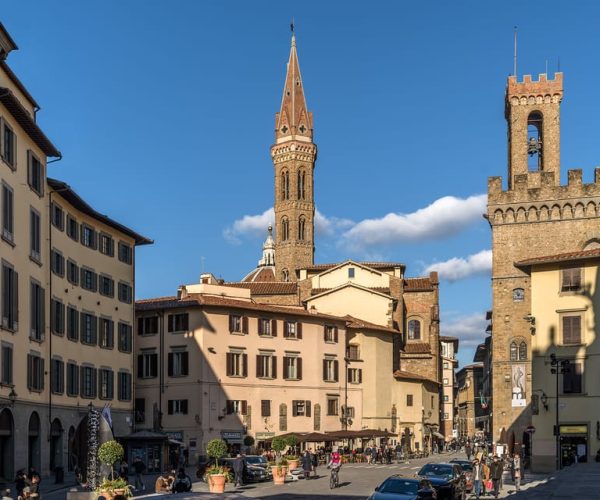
(310, 462)
(487, 474)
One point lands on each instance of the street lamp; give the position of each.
(560, 366)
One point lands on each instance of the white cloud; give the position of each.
(470, 329)
(444, 217)
(458, 268)
(249, 224)
(329, 225)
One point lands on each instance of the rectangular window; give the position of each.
(446, 398)
(37, 311)
(330, 370)
(107, 333)
(72, 323)
(72, 379)
(409, 400)
(266, 366)
(178, 364)
(570, 279)
(292, 368)
(125, 339)
(125, 293)
(125, 253)
(140, 410)
(148, 325)
(446, 416)
(236, 407)
(107, 286)
(7, 364)
(147, 366)
(573, 378)
(10, 298)
(265, 408)
(300, 408)
(446, 381)
(88, 382)
(8, 213)
(88, 236)
(330, 333)
(57, 317)
(446, 366)
(72, 272)
(57, 376)
(35, 171)
(178, 406)
(237, 364)
(292, 330)
(57, 263)
(178, 322)
(34, 236)
(89, 329)
(571, 326)
(124, 386)
(238, 324)
(264, 327)
(72, 228)
(57, 217)
(349, 411)
(107, 245)
(35, 372)
(106, 384)
(353, 353)
(89, 279)
(332, 406)
(355, 375)
(350, 272)
(9, 149)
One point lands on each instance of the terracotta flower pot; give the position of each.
(279, 474)
(216, 483)
(293, 464)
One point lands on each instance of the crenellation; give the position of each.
(575, 177)
(535, 89)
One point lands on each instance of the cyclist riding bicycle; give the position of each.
(335, 463)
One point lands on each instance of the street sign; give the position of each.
(530, 429)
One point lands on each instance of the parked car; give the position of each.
(398, 487)
(252, 473)
(448, 480)
(467, 468)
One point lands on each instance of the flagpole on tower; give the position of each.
(515, 55)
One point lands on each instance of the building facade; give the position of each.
(469, 411)
(449, 348)
(528, 219)
(66, 292)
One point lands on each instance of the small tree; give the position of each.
(248, 441)
(278, 444)
(292, 441)
(216, 448)
(109, 453)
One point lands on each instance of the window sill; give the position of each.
(265, 335)
(291, 338)
(58, 334)
(351, 360)
(292, 379)
(354, 383)
(73, 339)
(35, 259)
(178, 376)
(9, 241)
(579, 344)
(330, 342)
(32, 389)
(237, 376)
(266, 378)
(178, 332)
(7, 385)
(38, 193)
(35, 339)
(8, 329)
(331, 381)
(107, 348)
(148, 334)
(10, 165)
(238, 333)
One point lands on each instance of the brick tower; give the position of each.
(535, 216)
(294, 154)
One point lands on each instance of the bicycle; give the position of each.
(334, 478)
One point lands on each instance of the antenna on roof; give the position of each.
(515, 55)
(292, 26)
(546, 67)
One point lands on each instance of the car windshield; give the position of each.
(399, 486)
(256, 460)
(436, 470)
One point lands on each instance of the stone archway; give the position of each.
(33, 449)
(56, 444)
(7, 447)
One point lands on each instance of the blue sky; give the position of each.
(164, 112)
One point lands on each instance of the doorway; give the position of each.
(56, 444)
(7, 470)
(33, 452)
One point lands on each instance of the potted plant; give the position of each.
(292, 441)
(216, 475)
(280, 469)
(109, 453)
(249, 441)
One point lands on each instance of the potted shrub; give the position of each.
(249, 441)
(292, 458)
(280, 469)
(109, 453)
(216, 475)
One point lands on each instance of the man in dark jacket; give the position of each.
(238, 470)
(496, 470)
(139, 467)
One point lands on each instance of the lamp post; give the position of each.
(559, 366)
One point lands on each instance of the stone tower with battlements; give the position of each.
(294, 154)
(534, 216)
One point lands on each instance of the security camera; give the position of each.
(529, 318)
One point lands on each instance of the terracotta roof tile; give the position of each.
(267, 287)
(260, 274)
(164, 303)
(412, 376)
(561, 257)
(417, 348)
(418, 285)
(360, 323)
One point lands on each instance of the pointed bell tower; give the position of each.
(294, 154)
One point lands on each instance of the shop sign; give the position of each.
(175, 435)
(262, 436)
(232, 435)
(573, 429)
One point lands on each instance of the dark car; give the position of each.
(467, 467)
(252, 473)
(399, 487)
(448, 480)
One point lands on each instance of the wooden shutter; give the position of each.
(94, 322)
(324, 369)
(170, 407)
(336, 373)
(360, 375)
(229, 407)
(259, 328)
(15, 300)
(325, 333)
(244, 365)
(244, 324)
(170, 364)
(274, 327)
(274, 366)
(571, 329)
(298, 330)
(140, 365)
(286, 373)
(307, 408)
(184, 363)
(244, 407)
(335, 334)
(154, 364)
(294, 408)
(29, 371)
(258, 366)
(140, 326)
(184, 406)
(299, 368)
(285, 329)
(231, 323)
(229, 363)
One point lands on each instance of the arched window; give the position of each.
(285, 229)
(285, 275)
(518, 350)
(522, 351)
(301, 185)
(285, 185)
(301, 228)
(414, 329)
(514, 352)
(534, 141)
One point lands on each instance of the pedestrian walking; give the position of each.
(139, 467)
(485, 469)
(477, 477)
(374, 455)
(368, 454)
(468, 450)
(315, 462)
(238, 470)
(306, 464)
(496, 470)
(398, 452)
(517, 471)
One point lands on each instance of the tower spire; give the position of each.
(293, 121)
